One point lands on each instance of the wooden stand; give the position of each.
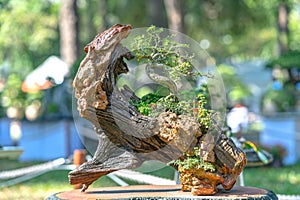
(173, 192)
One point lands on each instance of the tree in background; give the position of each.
(156, 13)
(284, 93)
(69, 32)
(283, 27)
(226, 26)
(175, 15)
(30, 30)
(28, 35)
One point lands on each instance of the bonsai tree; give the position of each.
(177, 127)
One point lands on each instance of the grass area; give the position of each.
(42, 186)
(39, 187)
(284, 180)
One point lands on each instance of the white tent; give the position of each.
(49, 73)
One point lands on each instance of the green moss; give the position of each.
(153, 104)
(144, 104)
(194, 162)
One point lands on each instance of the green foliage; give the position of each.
(150, 98)
(194, 162)
(236, 89)
(28, 34)
(137, 10)
(193, 105)
(230, 26)
(288, 60)
(172, 104)
(287, 67)
(12, 95)
(145, 103)
(294, 35)
(203, 114)
(284, 100)
(29, 30)
(153, 48)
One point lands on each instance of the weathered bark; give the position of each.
(127, 138)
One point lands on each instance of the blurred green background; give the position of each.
(266, 32)
(230, 31)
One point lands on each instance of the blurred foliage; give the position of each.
(230, 25)
(288, 60)
(241, 29)
(236, 90)
(28, 34)
(283, 100)
(245, 29)
(284, 92)
(32, 26)
(12, 95)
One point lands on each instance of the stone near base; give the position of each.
(147, 192)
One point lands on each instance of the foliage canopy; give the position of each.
(29, 30)
(288, 60)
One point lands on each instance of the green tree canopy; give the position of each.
(288, 60)
(28, 34)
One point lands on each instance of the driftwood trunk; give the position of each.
(127, 138)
